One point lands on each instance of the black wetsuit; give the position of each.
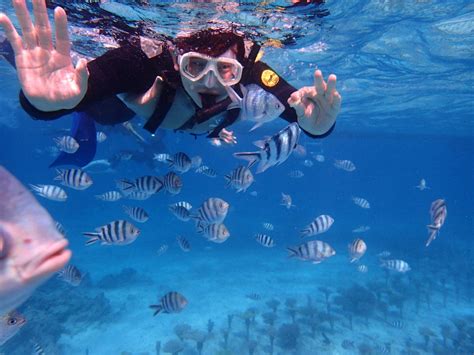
(128, 69)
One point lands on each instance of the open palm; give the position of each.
(47, 76)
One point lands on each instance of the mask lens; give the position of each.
(228, 71)
(194, 66)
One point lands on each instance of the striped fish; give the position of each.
(320, 225)
(67, 144)
(71, 275)
(183, 243)
(136, 213)
(180, 162)
(362, 268)
(240, 178)
(268, 226)
(38, 349)
(361, 229)
(60, 228)
(180, 212)
(148, 184)
(215, 232)
(257, 105)
(205, 170)
(118, 232)
(397, 324)
(438, 213)
(101, 137)
(172, 183)
(162, 249)
(109, 196)
(74, 178)
(361, 202)
(137, 195)
(51, 192)
(357, 249)
(162, 157)
(296, 174)
(184, 204)
(213, 210)
(172, 302)
(265, 240)
(383, 349)
(314, 250)
(346, 165)
(384, 254)
(286, 201)
(274, 150)
(254, 296)
(395, 265)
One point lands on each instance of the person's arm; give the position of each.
(316, 114)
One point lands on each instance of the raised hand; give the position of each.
(317, 106)
(47, 76)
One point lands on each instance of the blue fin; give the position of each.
(84, 132)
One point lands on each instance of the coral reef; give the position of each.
(173, 347)
(288, 335)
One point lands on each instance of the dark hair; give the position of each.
(212, 42)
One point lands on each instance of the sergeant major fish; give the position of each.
(314, 250)
(395, 265)
(67, 144)
(180, 162)
(51, 192)
(136, 213)
(240, 178)
(357, 249)
(31, 249)
(74, 178)
(438, 212)
(286, 201)
(71, 275)
(274, 150)
(172, 302)
(114, 233)
(213, 210)
(320, 225)
(346, 165)
(265, 240)
(257, 104)
(215, 232)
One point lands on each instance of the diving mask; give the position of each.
(194, 66)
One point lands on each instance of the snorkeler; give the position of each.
(183, 85)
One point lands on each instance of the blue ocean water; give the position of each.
(405, 73)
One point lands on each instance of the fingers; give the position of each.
(319, 83)
(12, 34)
(63, 45)
(42, 26)
(336, 103)
(27, 29)
(331, 86)
(295, 101)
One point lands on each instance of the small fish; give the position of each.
(184, 204)
(296, 174)
(172, 302)
(265, 240)
(180, 162)
(308, 163)
(384, 254)
(213, 210)
(257, 105)
(10, 324)
(254, 296)
(362, 268)
(274, 150)
(162, 157)
(180, 212)
(118, 232)
(74, 178)
(361, 229)
(38, 349)
(315, 251)
(345, 165)
(319, 158)
(347, 344)
(397, 324)
(196, 162)
(320, 225)
(357, 249)
(60, 228)
(361, 202)
(31, 249)
(286, 201)
(136, 213)
(395, 265)
(326, 340)
(101, 137)
(383, 349)
(438, 212)
(162, 249)
(51, 192)
(240, 178)
(172, 183)
(422, 186)
(214, 232)
(268, 226)
(205, 170)
(71, 275)
(67, 144)
(138, 195)
(183, 243)
(148, 183)
(109, 196)
(129, 127)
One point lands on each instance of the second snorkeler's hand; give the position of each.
(47, 76)
(227, 136)
(144, 104)
(317, 106)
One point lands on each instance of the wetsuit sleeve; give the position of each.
(124, 69)
(282, 90)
